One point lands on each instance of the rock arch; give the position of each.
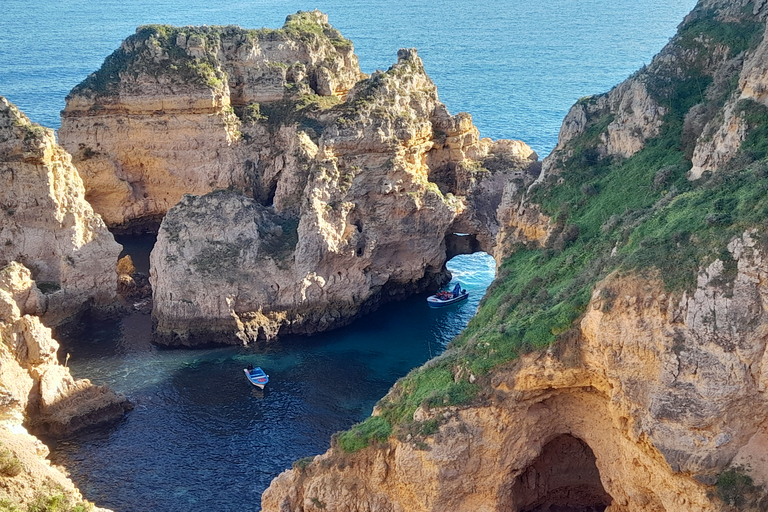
(461, 243)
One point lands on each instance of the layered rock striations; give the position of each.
(37, 392)
(46, 223)
(357, 184)
(356, 203)
(618, 361)
(158, 121)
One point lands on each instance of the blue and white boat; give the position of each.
(257, 376)
(446, 298)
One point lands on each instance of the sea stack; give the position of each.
(302, 193)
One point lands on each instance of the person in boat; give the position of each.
(250, 368)
(457, 290)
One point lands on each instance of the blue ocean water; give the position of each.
(200, 438)
(516, 65)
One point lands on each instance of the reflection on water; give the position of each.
(202, 438)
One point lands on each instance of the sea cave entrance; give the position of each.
(461, 243)
(563, 478)
(469, 266)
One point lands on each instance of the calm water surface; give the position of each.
(516, 65)
(201, 439)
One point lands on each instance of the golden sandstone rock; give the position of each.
(37, 392)
(640, 411)
(346, 192)
(157, 121)
(46, 223)
(358, 183)
(655, 398)
(361, 209)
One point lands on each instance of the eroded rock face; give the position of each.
(627, 116)
(46, 222)
(729, 81)
(37, 392)
(664, 392)
(366, 177)
(723, 136)
(157, 120)
(354, 212)
(44, 391)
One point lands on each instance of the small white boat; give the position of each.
(445, 298)
(256, 376)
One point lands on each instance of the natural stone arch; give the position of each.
(461, 243)
(563, 478)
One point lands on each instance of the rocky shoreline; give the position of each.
(617, 363)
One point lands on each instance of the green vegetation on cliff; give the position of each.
(637, 215)
(154, 51)
(190, 55)
(737, 489)
(48, 500)
(304, 23)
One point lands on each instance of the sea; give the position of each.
(200, 437)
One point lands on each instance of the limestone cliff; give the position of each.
(618, 361)
(158, 121)
(707, 75)
(640, 409)
(358, 206)
(46, 223)
(38, 393)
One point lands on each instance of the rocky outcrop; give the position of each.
(46, 223)
(640, 411)
(158, 121)
(37, 392)
(618, 362)
(617, 123)
(37, 386)
(359, 182)
(357, 202)
(703, 68)
(723, 136)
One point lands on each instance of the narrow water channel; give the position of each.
(201, 438)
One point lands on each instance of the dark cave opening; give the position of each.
(458, 243)
(563, 478)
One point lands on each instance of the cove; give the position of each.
(202, 438)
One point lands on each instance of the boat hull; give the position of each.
(434, 302)
(257, 377)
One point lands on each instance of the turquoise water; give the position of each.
(201, 438)
(515, 65)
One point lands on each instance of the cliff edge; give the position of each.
(618, 361)
(46, 223)
(158, 119)
(38, 393)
